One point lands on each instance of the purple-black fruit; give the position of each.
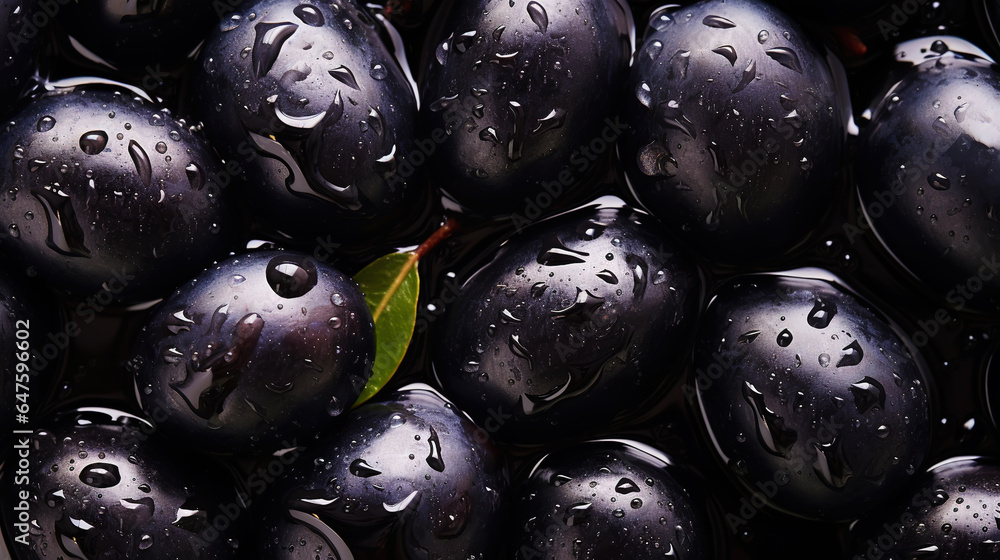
(255, 352)
(808, 396)
(104, 191)
(315, 114)
(519, 98)
(735, 128)
(607, 499)
(949, 513)
(927, 178)
(571, 323)
(99, 485)
(408, 478)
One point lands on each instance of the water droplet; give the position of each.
(771, 431)
(537, 14)
(212, 378)
(359, 467)
(402, 504)
(518, 349)
(785, 57)
(748, 337)
(821, 314)
(309, 15)
(728, 52)
(161, 147)
(644, 94)
(653, 49)
(489, 134)
(334, 407)
(379, 72)
(763, 36)
(344, 75)
(441, 53)
(93, 142)
(195, 176)
(55, 498)
(626, 486)
(961, 111)
(141, 161)
(434, 458)
(824, 359)
(269, 39)
(45, 124)
(577, 513)
(583, 307)
(661, 18)
(533, 404)
(749, 75)
(65, 234)
(100, 475)
(939, 182)
(868, 393)
(551, 121)
(442, 103)
(145, 542)
(784, 338)
(555, 253)
(608, 276)
(396, 420)
(671, 116)
(655, 160)
(516, 143)
(852, 355)
(464, 41)
(882, 431)
(718, 22)
(559, 479)
(291, 276)
(831, 465)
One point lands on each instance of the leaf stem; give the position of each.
(438, 236)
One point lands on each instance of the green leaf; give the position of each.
(391, 286)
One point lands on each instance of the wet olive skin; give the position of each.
(314, 114)
(809, 397)
(571, 323)
(100, 486)
(606, 499)
(735, 129)
(229, 365)
(411, 477)
(948, 513)
(514, 94)
(927, 171)
(104, 192)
